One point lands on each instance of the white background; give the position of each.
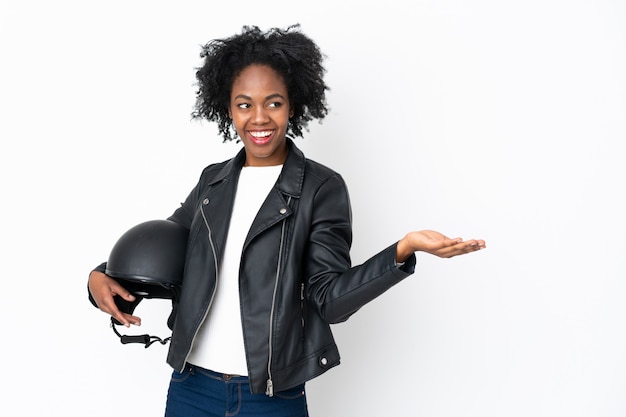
(501, 120)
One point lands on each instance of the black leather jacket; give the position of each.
(295, 274)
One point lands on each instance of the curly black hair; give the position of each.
(289, 52)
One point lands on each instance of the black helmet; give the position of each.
(148, 260)
(152, 256)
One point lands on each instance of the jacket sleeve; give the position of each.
(100, 268)
(183, 215)
(333, 287)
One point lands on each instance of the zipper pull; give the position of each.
(269, 391)
(302, 292)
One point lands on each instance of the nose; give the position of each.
(260, 115)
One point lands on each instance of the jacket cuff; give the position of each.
(407, 266)
(100, 268)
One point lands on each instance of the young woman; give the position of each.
(268, 257)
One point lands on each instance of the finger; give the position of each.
(467, 247)
(109, 306)
(122, 319)
(125, 319)
(134, 320)
(443, 243)
(117, 289)
(448, 245)
(477, 244)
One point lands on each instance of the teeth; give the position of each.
(261, 134)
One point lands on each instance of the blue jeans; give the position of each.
(198, 392)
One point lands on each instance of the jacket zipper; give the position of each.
(206, 313)
(269, 391)
(302, 303)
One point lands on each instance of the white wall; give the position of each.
(501, 120)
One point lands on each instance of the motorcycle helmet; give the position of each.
(148, 260)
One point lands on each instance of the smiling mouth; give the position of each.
(260, 136)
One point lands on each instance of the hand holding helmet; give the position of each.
(146, 262)
(103, 289)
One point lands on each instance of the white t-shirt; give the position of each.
(219, 346)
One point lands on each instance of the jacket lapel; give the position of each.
(289, 185)
(218, 200)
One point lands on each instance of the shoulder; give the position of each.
(322, 181)
(320, 172)
(214, 169)
(222, 170)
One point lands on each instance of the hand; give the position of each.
(436, 244)
(103, 288)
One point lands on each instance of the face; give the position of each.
(260, 110)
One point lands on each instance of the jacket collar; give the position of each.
(290, 179)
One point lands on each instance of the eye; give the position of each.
(243, 105)
(275, 104)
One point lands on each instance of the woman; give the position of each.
(268, 266)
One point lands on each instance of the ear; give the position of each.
(291, 112)
(230, 113)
